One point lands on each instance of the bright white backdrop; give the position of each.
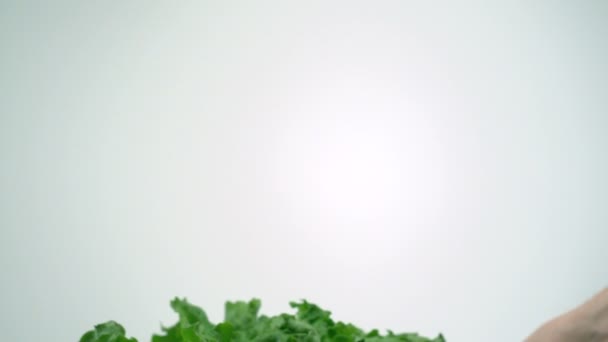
(436, 167)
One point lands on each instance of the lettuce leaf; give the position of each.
(107, 332)
(242, 323)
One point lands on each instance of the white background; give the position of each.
(420, 167)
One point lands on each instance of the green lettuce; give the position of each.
(242, 323)
(107, 332)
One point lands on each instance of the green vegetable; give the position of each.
(242, 323)
(107, 332)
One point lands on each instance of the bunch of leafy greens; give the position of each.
(243, 324)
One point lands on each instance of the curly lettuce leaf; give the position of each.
(107, 332)
(242, 323)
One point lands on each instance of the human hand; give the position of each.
(586, 323)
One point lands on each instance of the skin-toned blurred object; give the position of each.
(585, 323)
